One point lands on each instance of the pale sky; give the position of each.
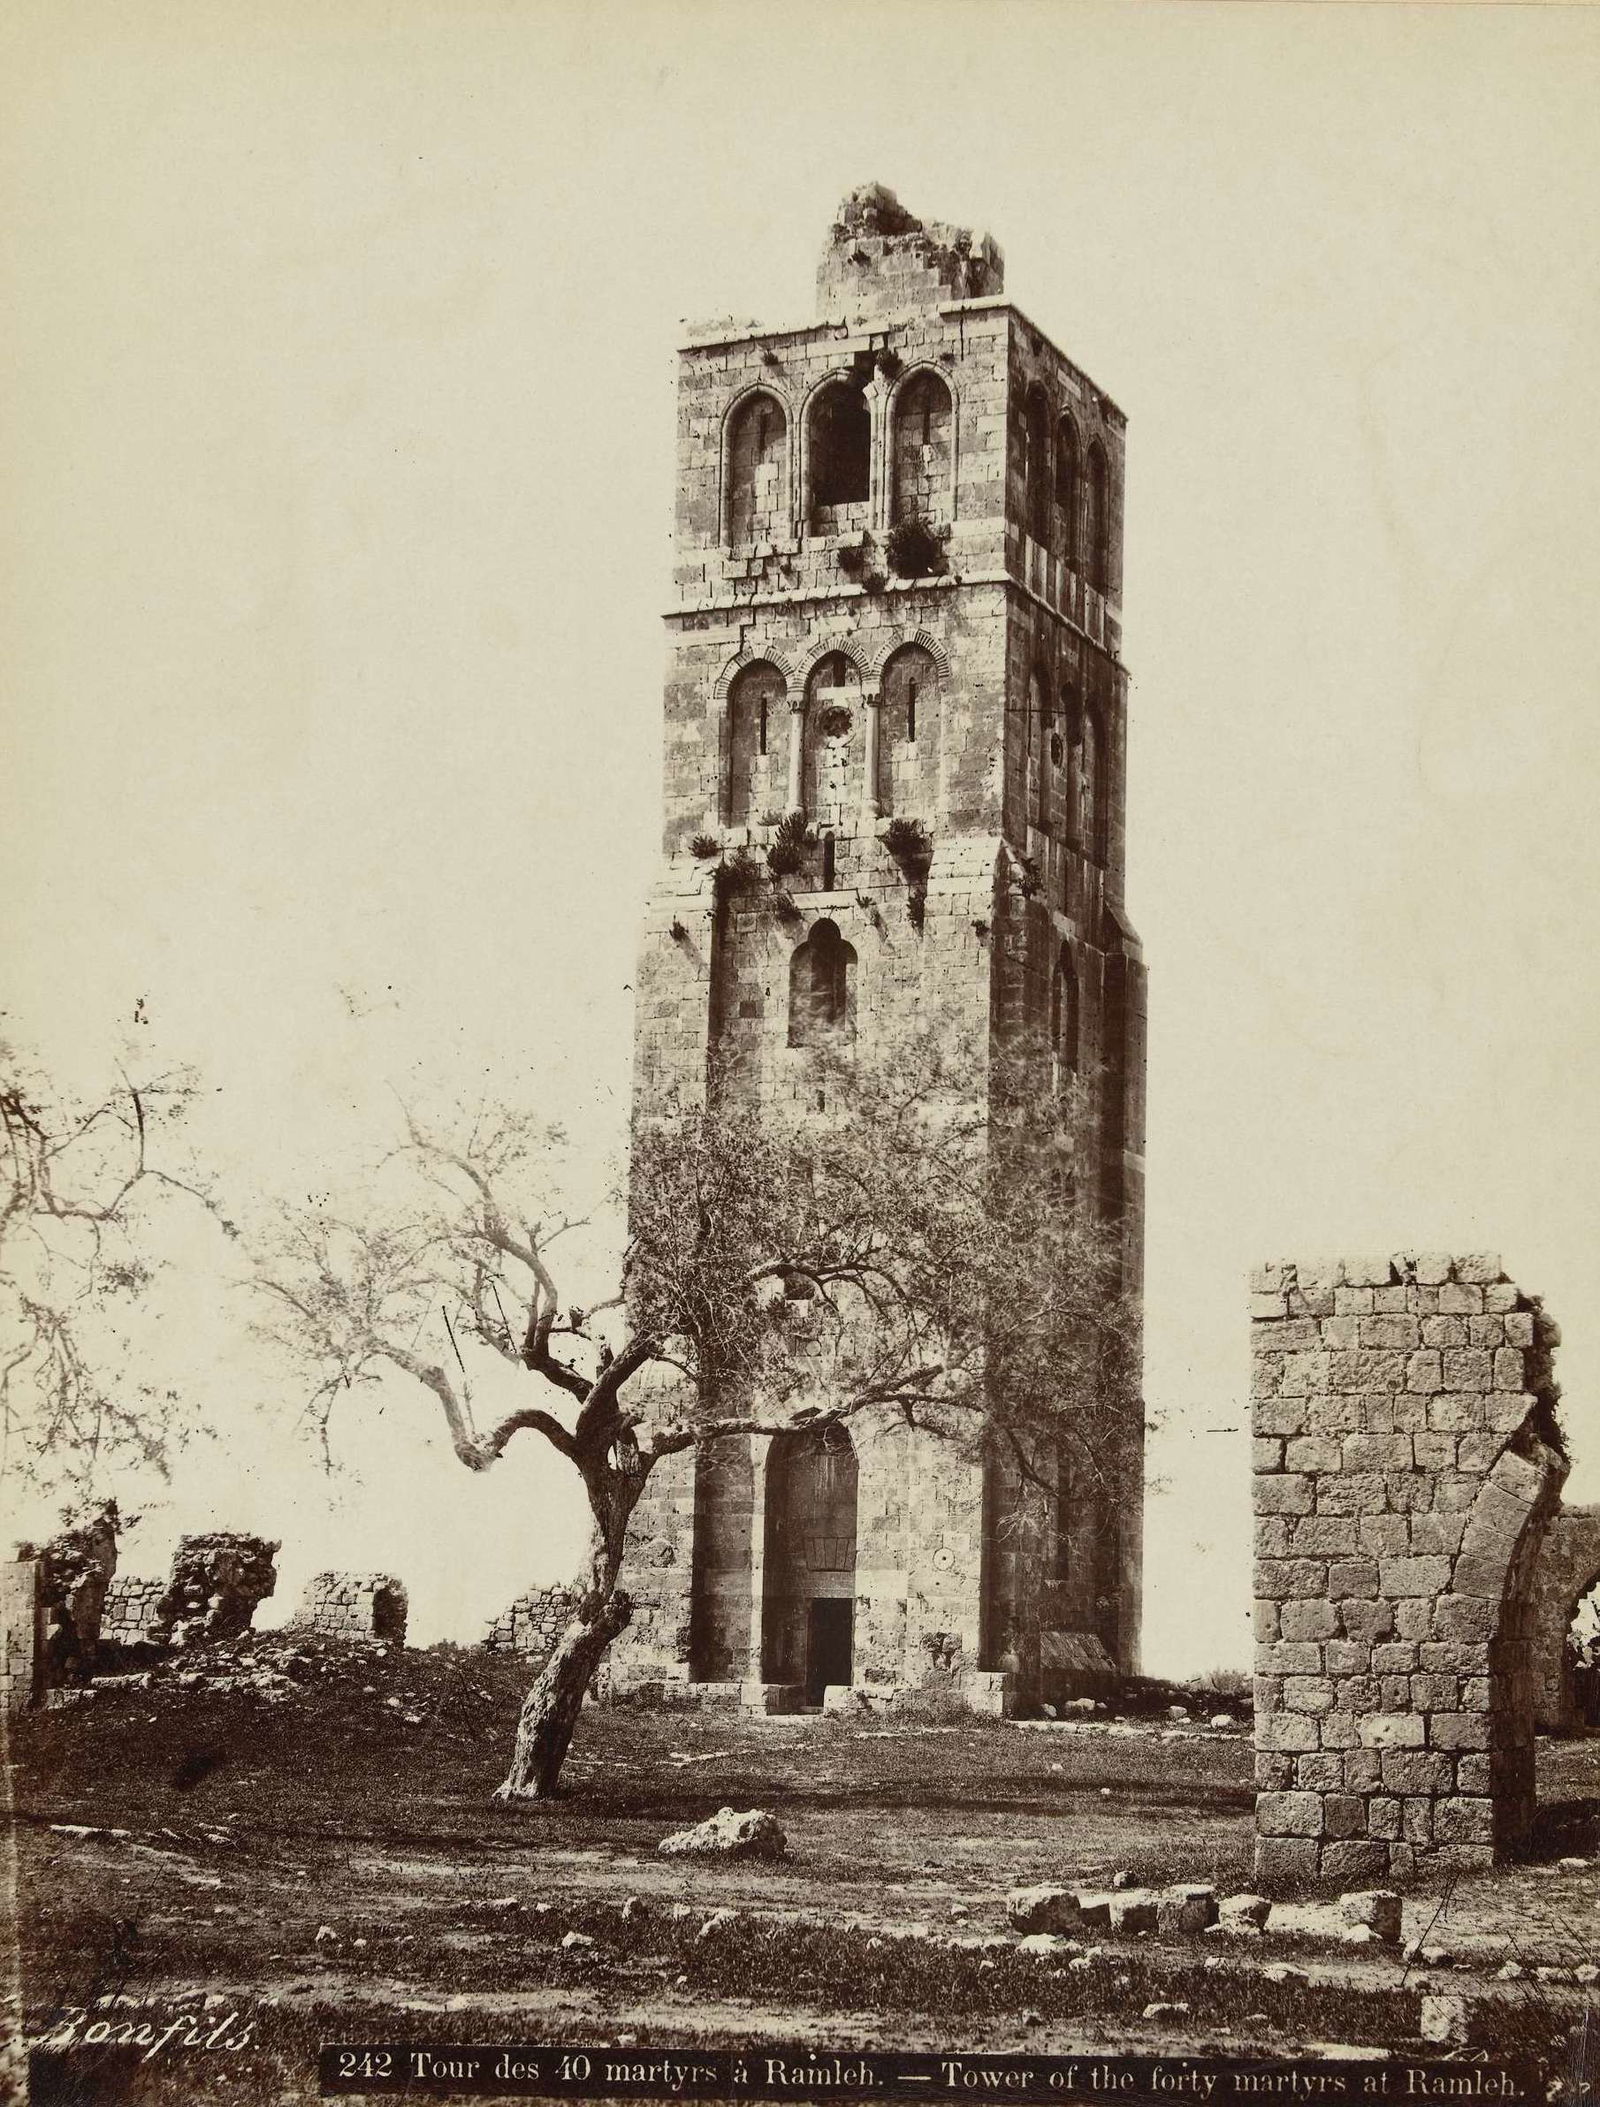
(338, 454)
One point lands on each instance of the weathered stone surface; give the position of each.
(1189, 1910)
(1243, 1909)
(1419, 1466)
(1046, 1907)
(355, 1606)
(727, 1834)
(217, 1581)
(1377, 1908)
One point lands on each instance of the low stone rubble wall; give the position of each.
(356, 1606)
(533, 1624)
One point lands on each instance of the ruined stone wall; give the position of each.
(129, 1614)
(534, 1622)
(21, 1635)
(1568, 1567)
(355, 1606)
(218, 1578)
(1406, 1460)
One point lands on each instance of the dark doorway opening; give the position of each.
(830, 1641)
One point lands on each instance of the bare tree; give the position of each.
(81, 1185)
(917, 1251)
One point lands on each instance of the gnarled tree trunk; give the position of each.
(550, 1710)
(613, 1479)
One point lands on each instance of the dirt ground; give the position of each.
(314, 1856)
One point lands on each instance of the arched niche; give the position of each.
(921, 450)
(835, 736)
(822, 974)
(1036, 464)
(756, 503)
(909, 731)
(1068, 479)
(757, 745)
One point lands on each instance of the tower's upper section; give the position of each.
(880, 260)
(922, 435)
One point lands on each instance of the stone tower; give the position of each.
(897, 614)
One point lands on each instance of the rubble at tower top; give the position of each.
(881, 259)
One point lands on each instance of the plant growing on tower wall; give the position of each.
(779, 1274)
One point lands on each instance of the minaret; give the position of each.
(894, 651)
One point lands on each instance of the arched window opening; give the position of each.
(841, 456)
(1066, 522)
(757, 508)
(1091, 788)
(1036, 464)
(1099, 522)
(910, 756)
(827, 862)
(920, 449)
(835, 742)
(822, 988)
(754, 782)
(1064, 1016)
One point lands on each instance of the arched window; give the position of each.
(757, 730)
(840, 454)
(1098, 535)
(1064, 1016)
(1066, 523)
(1091, 788)
(758, 449)
(822, 988)
(908, 755)
(1036, 464)
(834, 740)
(920, 452)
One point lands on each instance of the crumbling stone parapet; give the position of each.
(355, 1606)
(1406, 1460)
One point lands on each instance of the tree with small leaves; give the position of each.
(915, 1253)
(83, 1184)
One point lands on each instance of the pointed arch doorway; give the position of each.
(809, 1597)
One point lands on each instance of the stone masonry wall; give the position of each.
(21, 1634)
(128, 1615)
(1406, 1460)
(534, 1623)
(355, 1606)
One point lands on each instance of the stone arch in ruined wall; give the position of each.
(1406, 1460)
(1567, 1567)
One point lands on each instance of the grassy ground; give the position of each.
(321, 1856)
